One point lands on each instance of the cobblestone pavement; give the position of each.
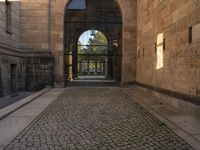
(97, 119)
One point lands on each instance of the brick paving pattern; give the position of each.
(97, 119)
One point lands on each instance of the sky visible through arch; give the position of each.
(77, 4)
(84, 38)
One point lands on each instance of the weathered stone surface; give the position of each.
(7, 39)
(31, 73)
(34, 25)
(181, 70)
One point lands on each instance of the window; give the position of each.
(8, 16)
(77, 4)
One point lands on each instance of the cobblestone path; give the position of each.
(97, 119)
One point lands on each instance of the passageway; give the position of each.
(93, 41)
(97, 119)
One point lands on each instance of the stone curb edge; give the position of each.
(16, 106)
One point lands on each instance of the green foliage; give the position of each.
(97, 44)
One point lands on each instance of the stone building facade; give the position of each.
(35, 45)
(160, 45)
(23, 65)
(178, 23)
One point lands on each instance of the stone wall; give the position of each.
(34, 42)
(9, 45)
(39, 72)
(25, 60)
(165, 58)
(34, 28)
(31, 73)
(5, 78)
(11, 39)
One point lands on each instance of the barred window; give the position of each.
(8, 16)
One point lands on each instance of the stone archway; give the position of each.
(103, 16)
(129, 39)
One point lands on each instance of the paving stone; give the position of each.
(97, 119)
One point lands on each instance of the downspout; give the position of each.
(49, 43)
(49, 26)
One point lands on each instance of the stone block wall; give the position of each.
(34, 42)
(6, 61)
(11, 39)
(32, 73)
(34, 28)
(129, 13)
(25, 60)
(174, 63)
(39, 72)
(9, 47)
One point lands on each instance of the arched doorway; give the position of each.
(92, 56)
(98, 17)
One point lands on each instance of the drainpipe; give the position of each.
(49, 42)
(49, 26)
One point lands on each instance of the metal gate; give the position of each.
(97, 66)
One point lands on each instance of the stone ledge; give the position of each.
(14, 107)
(24, 53)
(183, 105)
(180, 96)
